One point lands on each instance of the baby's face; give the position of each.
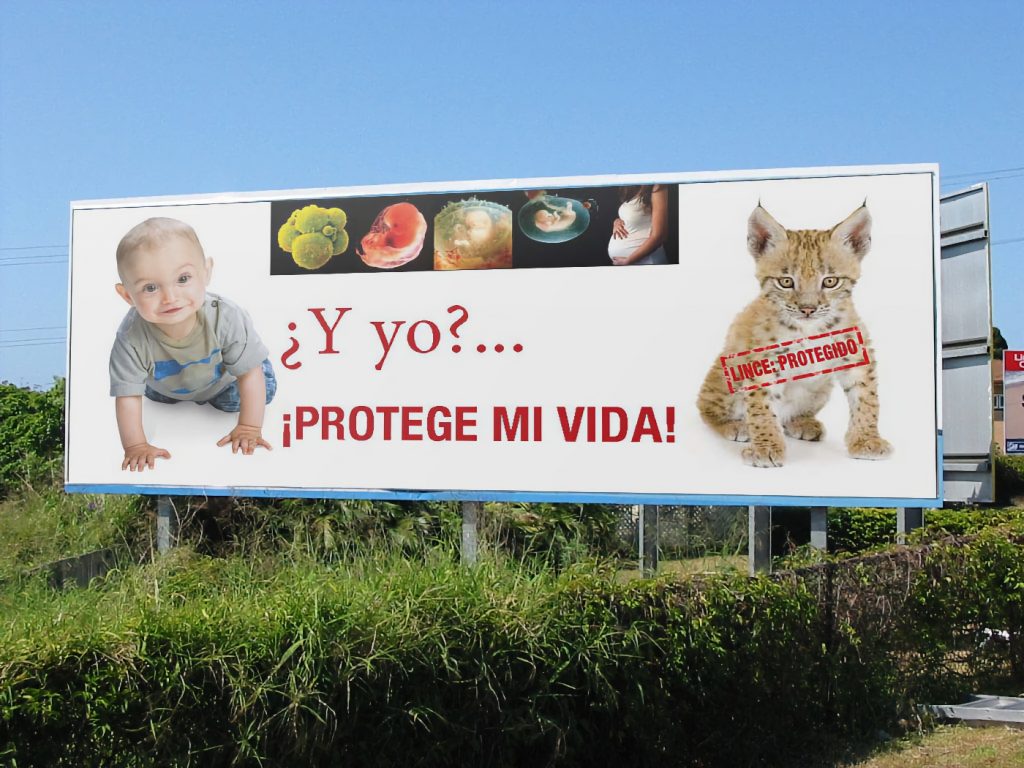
(166, 284)
(544, 218)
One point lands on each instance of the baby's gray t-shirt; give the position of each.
(223, 346)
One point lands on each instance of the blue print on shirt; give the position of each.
(165, 368)
(218, 371)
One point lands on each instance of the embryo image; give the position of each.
(553, 219)
(395, 238)
(473, 234)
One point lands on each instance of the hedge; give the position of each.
(224, 662)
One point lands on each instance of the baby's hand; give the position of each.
(244, 438)
(138, 457)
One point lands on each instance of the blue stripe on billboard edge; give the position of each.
(581, 498)
(534, 496)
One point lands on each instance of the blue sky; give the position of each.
(124, 99)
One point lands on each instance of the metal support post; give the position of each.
(638, 515)
(759, 540)
(470, 514)
(648, 523)
(166, 524)
(908, 519)
(819, 528)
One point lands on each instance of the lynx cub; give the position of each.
(807, 277)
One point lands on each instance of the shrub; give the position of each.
(855, 529)
(327, 529)
(858, 529)
(1009, 478)
(967, 606)
(962, 522)
(31, 433)
(45, 525)
(243, 661)
(553, 534)
(457, 667)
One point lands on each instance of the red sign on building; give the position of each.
(1013, 400)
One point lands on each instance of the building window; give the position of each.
(997, 402)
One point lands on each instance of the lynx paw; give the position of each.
(765, 455)
(804, 428)
(868, 447)
(735, 430)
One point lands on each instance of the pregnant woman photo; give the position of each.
(638, 234)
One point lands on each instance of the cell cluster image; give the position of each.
(313, 235)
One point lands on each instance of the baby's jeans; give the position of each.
(227, 399)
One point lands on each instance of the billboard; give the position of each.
(1013, 401)
(733, 338)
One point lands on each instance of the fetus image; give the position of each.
(396, 237)
(473, 234)
(553, 219)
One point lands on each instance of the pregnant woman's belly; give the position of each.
(620, 247)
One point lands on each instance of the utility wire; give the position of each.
(29, 341)
(30, 257)
(32, 263)
(37, 328)
(51, 260)
(29, 247)
(39, 343)
(972, 174)
(985, 179)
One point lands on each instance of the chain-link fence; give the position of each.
(688, 531)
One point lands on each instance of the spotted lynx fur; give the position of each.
(807, 278)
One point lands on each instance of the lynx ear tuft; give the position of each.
(854, 233)
(763, 233)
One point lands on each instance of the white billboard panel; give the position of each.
(772, 341)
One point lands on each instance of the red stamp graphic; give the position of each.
(794, 360)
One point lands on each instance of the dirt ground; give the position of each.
(953, 747)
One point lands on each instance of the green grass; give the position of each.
(41, 526)
(952, 747)
(230, 651)
(285, 648)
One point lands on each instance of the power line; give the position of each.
(1007, 241)
(32, 257)
(30, 247)
(37, 328)
(39, 343)
(48, 260)
(32, 263)
(983, 173)
(987, 179)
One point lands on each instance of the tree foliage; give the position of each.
(998, 343)
(31, 432)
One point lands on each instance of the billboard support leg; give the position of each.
(759, 540)
(649, 534)
(470, 515)
(166, 524)
(907, 519)
(819, 528)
